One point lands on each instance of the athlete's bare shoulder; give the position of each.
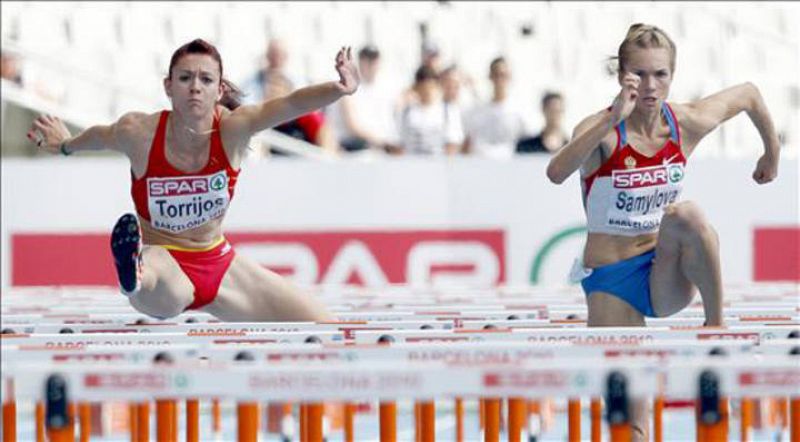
(233, 124)
(590, 121)
(235, 133)
(609, 139)
(605, 147)
(135, 130)
(682, 111)
(692, 124)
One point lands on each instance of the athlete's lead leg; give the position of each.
(687, 256)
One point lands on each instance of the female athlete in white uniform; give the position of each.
(647, 253)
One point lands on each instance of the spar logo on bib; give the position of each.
(675, 173)
(218, 181)
(647, 176)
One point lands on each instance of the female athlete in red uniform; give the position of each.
(172, 256)
(646, 253)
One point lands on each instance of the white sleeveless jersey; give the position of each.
(628, 193)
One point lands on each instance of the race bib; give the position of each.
(639, 196)
(181, 203)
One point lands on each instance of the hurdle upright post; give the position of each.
(574, 419)
(85, 420)
(428, 421)
(10, 418)
(314, 415)
(247, 425)
(143, 421)
(387, 411)
(192, 420)
(596, 411)
(349, 414)
(216, 416)
(459, 412)
(492, 427)
(516, 418)
(794, 418)
(39, 421)
(658, 418)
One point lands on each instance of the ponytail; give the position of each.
(231, 95)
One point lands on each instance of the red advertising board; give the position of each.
(355, 257)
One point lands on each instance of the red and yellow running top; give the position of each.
(175, 201)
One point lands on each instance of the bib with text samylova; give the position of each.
(636, 198)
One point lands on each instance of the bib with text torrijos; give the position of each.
(181, 203)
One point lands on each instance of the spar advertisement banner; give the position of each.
(420, 221)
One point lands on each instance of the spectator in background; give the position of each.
(430, 56)
(41, 84)
(454, 80)
(553, 136)
(276, 57)
(310, 127)
(493, 129)
(366, 120)
(9, 68)
(424, 128)
(450, 80)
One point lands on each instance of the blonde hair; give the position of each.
(644, 36)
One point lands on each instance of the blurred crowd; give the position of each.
(437, 113)
(427, 89)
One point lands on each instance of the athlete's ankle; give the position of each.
(716, 322)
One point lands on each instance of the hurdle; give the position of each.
(492, 330)
(246, 382)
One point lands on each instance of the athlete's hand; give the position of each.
(47, 132)
(626, 99)
(766, 168)
(348, 72)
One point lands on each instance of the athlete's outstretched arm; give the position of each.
(703, 116)
(590, 132)
(250, 119)
(51, 134)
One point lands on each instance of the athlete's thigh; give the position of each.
(607, 310)
(670, 289)
(173, 290)
(251, 292)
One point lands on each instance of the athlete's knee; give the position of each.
(686, 218)
(161, 312)
(160, 304)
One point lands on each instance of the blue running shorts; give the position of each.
(628, 280)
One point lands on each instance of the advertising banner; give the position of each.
(459, 221)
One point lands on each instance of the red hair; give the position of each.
(231, 95)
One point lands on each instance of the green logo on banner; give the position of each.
(181, 381)
(549, 245)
